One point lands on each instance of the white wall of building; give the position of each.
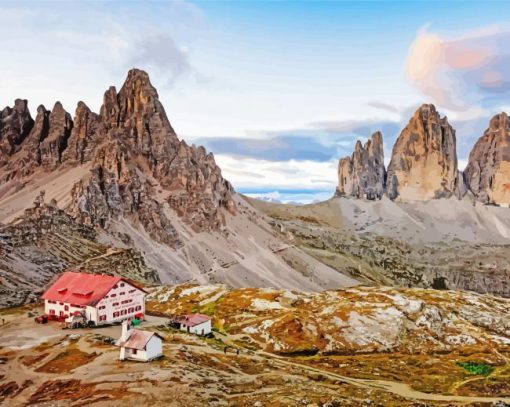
(121, 302)
(201, 329)
(153, 349)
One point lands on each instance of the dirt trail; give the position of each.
(397, 388)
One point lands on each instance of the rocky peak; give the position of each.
(15, 125)
(138, 152)
(424, 160)
(59, 130)
(487, 174)
(363, 174)
(139, 167)
(86, 134)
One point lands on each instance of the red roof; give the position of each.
(80, 288)
(193, 319)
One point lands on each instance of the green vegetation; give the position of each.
(210, 307)
(477, 368)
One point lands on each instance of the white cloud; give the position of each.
(248, 173)
(463, 73)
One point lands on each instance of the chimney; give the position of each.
(126, 331)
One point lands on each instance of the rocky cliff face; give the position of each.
(363, 174)
(424, 160)
(139, 165)
(139, 168)
(487, 174)
(15, 125)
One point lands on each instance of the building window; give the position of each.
(138, 308)
(122, 293)
(113, 295)
(102, 317)
(131, 310)
(123, 312)
(115, 304)
(66, 308)
(61, 313)
(131, 291)
(116, 314)
(122, 284)
(52, 312)
(115, 286)
(134, 351)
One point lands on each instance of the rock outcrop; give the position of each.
(363, 174)
(15, 125)
(487, 174)
(424, 160)
(139, 167)
(85, 136)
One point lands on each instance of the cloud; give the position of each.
(464, 72)
(160, 52)
(258, 174)
(383, 106)
(318, 142)
(290, 197)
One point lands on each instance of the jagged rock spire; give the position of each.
(424, 160)
(487, 174)
(363, 174)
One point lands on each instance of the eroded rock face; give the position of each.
(424, 160)
(52, 146)
(363, 174)
(15, 125)
(140, 168)
(487, 174)
(85, 136)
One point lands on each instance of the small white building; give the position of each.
(199, 324)
(100, 298)
(136, 344)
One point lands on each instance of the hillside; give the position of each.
(443, 243)
(361, 346)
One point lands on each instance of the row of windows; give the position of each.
(121, 293)
(116, 303)
(117, 314)
(66, 307)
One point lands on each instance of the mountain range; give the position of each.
(117, 191)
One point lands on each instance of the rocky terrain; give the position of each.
(352, 347)
(124, 188)
(488, 171)
(445, 243)
(45, 242)
(363, 174)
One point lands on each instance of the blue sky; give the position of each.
(279, 91)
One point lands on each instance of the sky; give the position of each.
(278, 91)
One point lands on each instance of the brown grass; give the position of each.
(67, 361)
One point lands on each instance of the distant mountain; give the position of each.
(424, 164)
